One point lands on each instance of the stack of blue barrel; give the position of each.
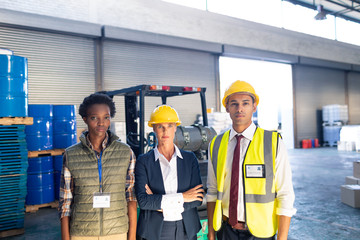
(39, 136)
(13, 148)
(54, 128)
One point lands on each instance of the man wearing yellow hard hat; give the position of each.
(250, 192)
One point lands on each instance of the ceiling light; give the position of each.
(321, 13)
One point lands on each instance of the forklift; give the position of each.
(195, 138)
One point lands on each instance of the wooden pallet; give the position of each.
(44, 153)
(35, 208)
(16, 121)
(330, 144)
(12, 232)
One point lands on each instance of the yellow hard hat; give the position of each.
(164, 114)
(240, 87)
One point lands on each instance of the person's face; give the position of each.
(241, 108)
(98, 119)
(165, 132)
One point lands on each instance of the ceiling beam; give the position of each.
(311, 6)
(352, 8)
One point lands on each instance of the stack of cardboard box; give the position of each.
(350, 193)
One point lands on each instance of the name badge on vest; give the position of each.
(255, 170)
(101, 200)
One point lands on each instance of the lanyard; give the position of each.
(100, 170)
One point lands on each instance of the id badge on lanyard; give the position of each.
(100, 199)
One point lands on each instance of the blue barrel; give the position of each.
(39, 136)
(40, 165)
(13, 86)
(40, 184)
(57, 176)
(58, 162)
(40, 188)
(64, 125)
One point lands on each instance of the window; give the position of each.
(347, 31)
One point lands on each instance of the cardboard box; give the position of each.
(357, 169)
(350, 180)
(202, 234)
(350, 195)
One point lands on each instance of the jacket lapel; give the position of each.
(157, 182)
(181, 174)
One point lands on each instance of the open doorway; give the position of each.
(273, 83)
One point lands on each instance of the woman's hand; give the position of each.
(194, 194)
(148, 190)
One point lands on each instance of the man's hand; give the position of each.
(194, 194)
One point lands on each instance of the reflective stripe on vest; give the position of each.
(269, 171)
(218, 154)
(214, 153)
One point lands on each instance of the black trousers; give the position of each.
(228, 233)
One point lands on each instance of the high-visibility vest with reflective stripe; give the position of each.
(259, 193)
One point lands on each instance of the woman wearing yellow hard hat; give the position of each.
(168, 184)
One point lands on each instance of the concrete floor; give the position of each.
(317, 177)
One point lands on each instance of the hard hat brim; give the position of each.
(255, 97)
(150, 124)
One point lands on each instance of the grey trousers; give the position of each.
(173, 231)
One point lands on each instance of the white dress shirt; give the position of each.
(172, 203)
(283, 177)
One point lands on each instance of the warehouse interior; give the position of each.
(75, 48)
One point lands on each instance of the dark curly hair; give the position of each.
(97, 98)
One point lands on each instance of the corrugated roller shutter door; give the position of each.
(129, 64)
(354, 97)
(61, 67)
(314, 88)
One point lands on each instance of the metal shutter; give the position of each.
(129, 64)
(61, 67)
(313, 88)
(354, 97)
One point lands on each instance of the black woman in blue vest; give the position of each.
(168, 185)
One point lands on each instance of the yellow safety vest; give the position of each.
(259, 192)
